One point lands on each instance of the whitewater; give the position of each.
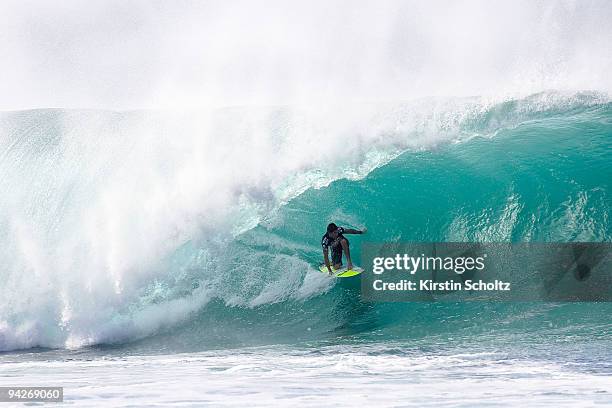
(167, 253)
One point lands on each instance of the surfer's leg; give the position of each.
(347, 251)
(337, 259)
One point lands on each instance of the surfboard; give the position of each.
(342, 272)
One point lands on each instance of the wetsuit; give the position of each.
(335, 245)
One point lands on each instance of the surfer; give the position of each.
(334, 239)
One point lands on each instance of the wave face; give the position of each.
(201, 229)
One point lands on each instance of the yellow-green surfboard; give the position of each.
(342, 272)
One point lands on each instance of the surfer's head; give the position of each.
(332, 230)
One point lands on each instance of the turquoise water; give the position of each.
(135, 243)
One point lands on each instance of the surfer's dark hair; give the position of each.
(331, 227)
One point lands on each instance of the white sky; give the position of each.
(145, 54)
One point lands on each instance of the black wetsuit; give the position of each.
(335, 245)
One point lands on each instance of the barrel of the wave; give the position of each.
(347, 278)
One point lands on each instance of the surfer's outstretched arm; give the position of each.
(347, 252)
(326, 259)
(353, 231)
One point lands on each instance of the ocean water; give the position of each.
(144, 262)
(161, 211)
